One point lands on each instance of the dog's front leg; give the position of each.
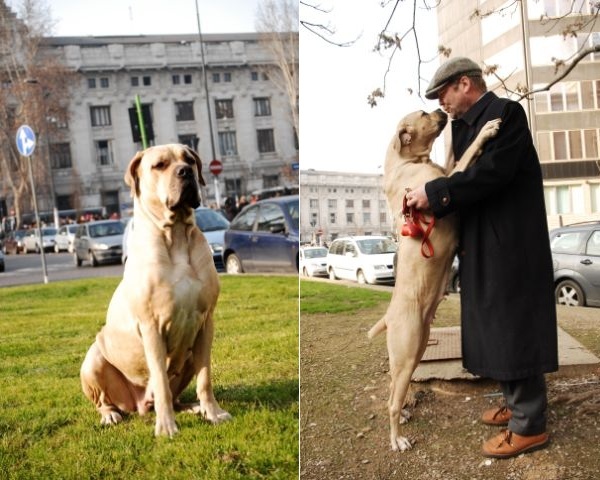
(156, 357)
(489, 130)
(209, 407)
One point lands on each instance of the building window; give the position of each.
(60, 155)
(332, 218)
(254, 76)
(314, 203)
(135, 81)
(266, 140)
(224, 108)
(189, 140)
(366, 203)
(367, 218)
(110, 199)
(568, 145)
(227, 144)
(103, 152)
(147, 81)
(349, 203)
(91, 82)
(216, 77)
(187, 79)
(382, 217)
(100, 116)
(227, 77)
(332, 203)
(349, 218)
(233, 187)
(314, 219)
(176, 79)
(103, 82)
(270, 181)
(184, 111)
(262, 107)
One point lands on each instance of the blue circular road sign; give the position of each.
(25, 140)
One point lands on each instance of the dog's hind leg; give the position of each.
(377, 328)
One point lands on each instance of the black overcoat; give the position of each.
(508, 311)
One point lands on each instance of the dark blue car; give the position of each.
(264, 237)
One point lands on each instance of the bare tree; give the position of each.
(392, 43)
(277, 21)
(35, 92)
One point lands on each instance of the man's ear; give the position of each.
(194, 155)
(132, 178)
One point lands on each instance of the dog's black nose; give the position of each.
(184, 171)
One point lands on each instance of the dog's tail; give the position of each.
(376, 329)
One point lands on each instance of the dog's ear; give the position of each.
(132, 178)
(405, 135)
(192, 154)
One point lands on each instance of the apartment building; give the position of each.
(522, 39)
(334, 204)
(248, 116)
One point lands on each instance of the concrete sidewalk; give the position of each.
(442, 359)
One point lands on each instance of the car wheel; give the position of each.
(94, 260)
(360, 277)
(332, 275)
(569, 293)
(305, 272)
(233, 264)
(77, 260)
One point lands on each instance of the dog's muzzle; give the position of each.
(442, 118)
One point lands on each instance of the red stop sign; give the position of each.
(215, 167)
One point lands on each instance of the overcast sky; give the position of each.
(134, 17)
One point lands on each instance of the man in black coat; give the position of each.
(508, 311)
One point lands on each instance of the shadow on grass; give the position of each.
(275, 395)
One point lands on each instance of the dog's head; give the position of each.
(166, 177)
(417, 131)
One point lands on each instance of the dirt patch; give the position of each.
(344, 425)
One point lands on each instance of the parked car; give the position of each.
(212, 224)
(576, 258)
(33, 243)
(98, 242)
(63, 240)
(365, 259)
(13, 242)
(313, 261)
(264, 237)
(2, 266)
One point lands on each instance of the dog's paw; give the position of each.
(401, 444)
(111, 417)
(490, 129)
(405, 416)
(165, 426)
(216, 414)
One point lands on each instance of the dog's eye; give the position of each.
(159, 165)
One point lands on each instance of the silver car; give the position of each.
(32, 242)
(98, 242)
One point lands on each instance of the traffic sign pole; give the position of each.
(216, 167)
(26, 146)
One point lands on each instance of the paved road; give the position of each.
(27, 269)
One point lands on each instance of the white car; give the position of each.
(313, 261)
(365, 259)
(32, 242)
(63, 240)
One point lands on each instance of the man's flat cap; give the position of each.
(449, 71)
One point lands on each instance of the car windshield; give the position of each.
(376, 246)
(209, 221)
(72, 228)
(106, 229)
(315, 253)
(46, 232)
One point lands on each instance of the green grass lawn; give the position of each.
(49, 430)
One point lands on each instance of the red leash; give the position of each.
(416, 225)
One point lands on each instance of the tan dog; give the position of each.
(159, 326)
(420, 282)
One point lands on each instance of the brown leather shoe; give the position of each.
(508, 444)
(497, 416)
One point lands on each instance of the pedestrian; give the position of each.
(508, 312)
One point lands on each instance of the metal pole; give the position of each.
(210, 125)
(140, 116)
(37, 220)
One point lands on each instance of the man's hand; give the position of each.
(418, 198)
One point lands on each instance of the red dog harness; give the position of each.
(416, 225)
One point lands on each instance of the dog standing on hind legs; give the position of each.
(420, 281)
